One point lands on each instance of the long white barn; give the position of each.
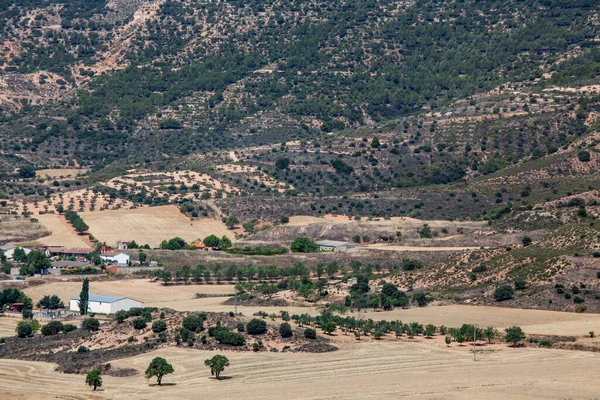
(105, 304)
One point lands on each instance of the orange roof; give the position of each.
(200, 245)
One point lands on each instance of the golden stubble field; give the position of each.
(383, 370)
(150, 225)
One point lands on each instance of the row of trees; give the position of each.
(213, 241)
(77, 222)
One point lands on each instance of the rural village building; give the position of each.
(9, 251)
(334, 245)
(52, 251)
(105, 304)
(112, 257)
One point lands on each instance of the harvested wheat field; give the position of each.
(8, 326)
(384, 370)
(149, 225)
(139, 289)
(62, 234)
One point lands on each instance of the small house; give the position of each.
(105, 304)
(17, 307)
(121, 259)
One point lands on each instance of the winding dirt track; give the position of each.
(386, 370)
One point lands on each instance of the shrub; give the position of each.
(285, 330)
(310, 333)
(240, 327)
(256, 327)
(584, 156)
(479, 268)
(91, 324)
(579, 308)
(578, 300)
(135, 312)
(504, 292)
(520, 284)
(194, 323)
(139, 323)
(24, 329)
(159, 326)
(82, 349)
(52, 328)
(546, 343)
(230, 338)
(69, 328)
(514, 335)
(121, 316)
(526, 240)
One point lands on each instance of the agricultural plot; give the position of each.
(62, 233)
(149, 225)
(386, 370)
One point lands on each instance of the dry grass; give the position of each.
(8, 326)
(20, 230)
(58, 173)
(149, 225)
(384, 370)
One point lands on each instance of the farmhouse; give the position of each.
(9, 251)
(334, 245)
(52, 251)
(111, 257)
(105, 304)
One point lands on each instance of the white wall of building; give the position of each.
(121, 259)
(105, 307)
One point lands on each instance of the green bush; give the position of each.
(69, 328)
(504, 292)
(82, 349)
(285, 330)
(121, 316)
(91, 324)
(159, 326)
(194, 323)
(256, 327)
(135, 312)
(52, 328)
(139, 323)
(310, 333)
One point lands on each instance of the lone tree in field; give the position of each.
(217, 365)
(84, 297)
(94, 379)
(159, 367)
(514, 335)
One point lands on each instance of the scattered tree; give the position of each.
(217, 365)
(159, 367)
(93, 379)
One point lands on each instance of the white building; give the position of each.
(120, 259)
(105, 304)
(334, 245)
(9, 251)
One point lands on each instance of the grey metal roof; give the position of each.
(332, 243)
(102, 299)
(7, 247)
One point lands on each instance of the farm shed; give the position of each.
(334, 245)
(105, 304)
